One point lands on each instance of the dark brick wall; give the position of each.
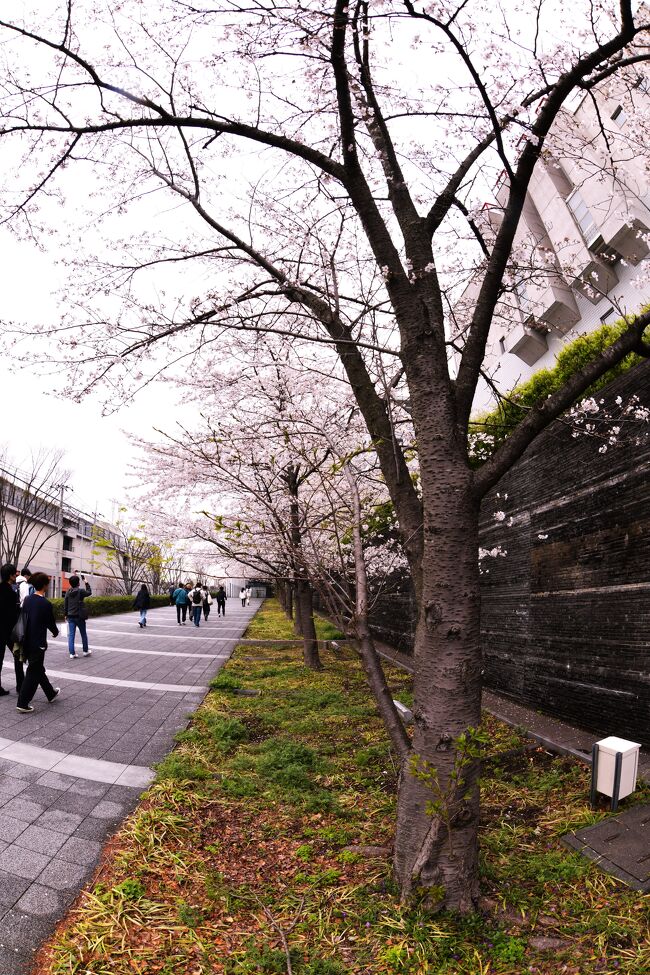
(566, 614)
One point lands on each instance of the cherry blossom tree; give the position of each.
(326, 165)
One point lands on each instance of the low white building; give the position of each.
(40, 532)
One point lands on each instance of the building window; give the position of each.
(66, 565)
(582, 216)
(67, 543)
(609, 316)
(619, 116)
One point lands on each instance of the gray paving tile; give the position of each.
(59, 821)
(75, 803)
(10, 828)
(105, 809)
(27, 772)
(15, 961)
(10, 787)
(82, 851)
(44, 796)
(23, 863)
(96, 829)
(22, 809)
(45, 902)
(40, 840)
(63, 875)
(19, 930)
(11, 888)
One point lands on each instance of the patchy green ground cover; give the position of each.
(272, 624)
(266, 839)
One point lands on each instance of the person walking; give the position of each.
(207, 602)
(171, 591)
(9, 611)
(142, 602)
(221, 601)
(25, 587)
(249, 593)
(76, 614)
(39, 618)
(242, 595)
(196, 602)
(181, 602)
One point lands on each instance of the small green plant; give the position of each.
(224, 682)
(130, 890)
(224, 731)
(509, 949)
(467, 748)
(288, 763)
(188, 915)
(324, 966)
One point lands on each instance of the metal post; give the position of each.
(618, 765)
(594, 774)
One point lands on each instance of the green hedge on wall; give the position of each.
(490, 430)
(107, 605)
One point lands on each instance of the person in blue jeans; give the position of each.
(76, 614)
(142, 602)
(196, 604)
(181, 601)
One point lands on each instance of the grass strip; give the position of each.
(267, 837)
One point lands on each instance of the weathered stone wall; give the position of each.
(566, 613)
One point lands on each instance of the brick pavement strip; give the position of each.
(72, 771)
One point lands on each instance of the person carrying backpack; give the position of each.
(221, 601)
(24, 585)
(39, 619)
(196, 603)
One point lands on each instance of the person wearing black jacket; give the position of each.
(142, 602)
(39, 618)
(76, 614)
(9, 611)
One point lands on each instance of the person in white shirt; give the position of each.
(242, 595)
(195, 597)
(25, 588)
(248, 595)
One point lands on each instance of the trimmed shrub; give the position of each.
(108, 605)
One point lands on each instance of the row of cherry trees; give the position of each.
(317, 170)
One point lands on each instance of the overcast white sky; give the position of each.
(97, 447)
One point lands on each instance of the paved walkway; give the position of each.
(74, 769)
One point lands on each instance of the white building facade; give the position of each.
(581, 253)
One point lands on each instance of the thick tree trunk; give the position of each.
(440, 850)
(289, 600)
(297, 609)
(310, 643)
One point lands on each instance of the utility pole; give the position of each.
(58, 577)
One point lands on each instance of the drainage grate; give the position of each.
(620, 846)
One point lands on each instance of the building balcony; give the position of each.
(597, 278)
(527, 340)
(627, 239)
